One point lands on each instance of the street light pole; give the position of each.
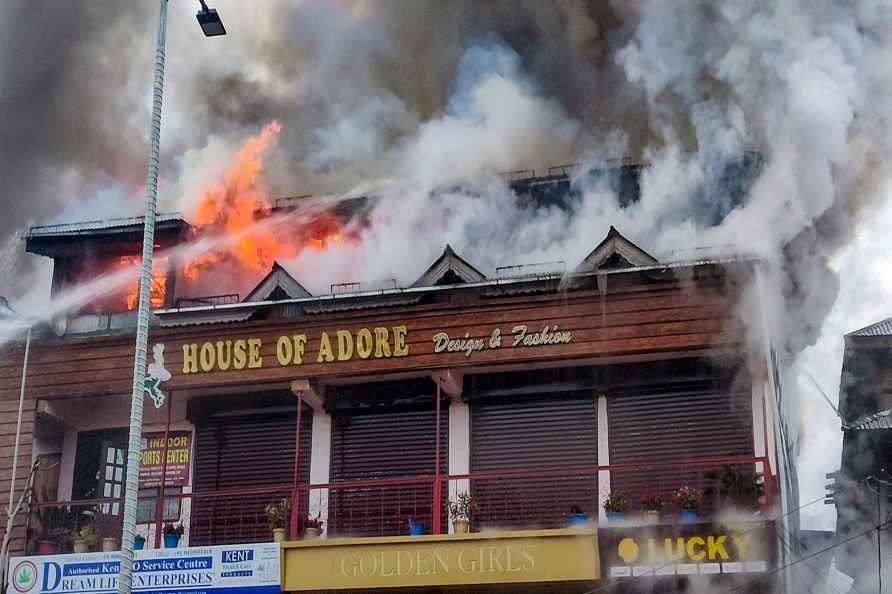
(211, 25)
(125, 578)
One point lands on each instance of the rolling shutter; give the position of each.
(534, 432)
(241, 451)
(661, 428)
(384, 444)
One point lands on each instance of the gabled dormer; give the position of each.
(449, 269)
(277, 285)
(615, 252)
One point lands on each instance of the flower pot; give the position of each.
(109, 544)
(311, 533)
(47, 547)
(689, 516)
(651, 516)
(578, 519)
(616, 516)
(416, 528)
(278, 535)
(171, 541)
(80, 545)
(139, 543)
(461, 525)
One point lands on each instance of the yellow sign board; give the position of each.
(441, 560)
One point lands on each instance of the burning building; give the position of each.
(614, 423)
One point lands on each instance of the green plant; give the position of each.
(462, 507)
(651, 502)
(86, 533)
(314, 522)
(688, 497)
(278, 513)
(169, 529)
(616, 502)
(54, 522)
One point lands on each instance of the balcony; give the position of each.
(509, 500)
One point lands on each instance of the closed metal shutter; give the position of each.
(240, 452)
(534, 432)
(385, 444)
(661, 428)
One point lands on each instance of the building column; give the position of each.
(320, 450)
(459, 432)
(603, 457)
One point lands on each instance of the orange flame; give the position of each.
(235, 203)
(158, 287)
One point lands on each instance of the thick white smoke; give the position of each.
(428, 105)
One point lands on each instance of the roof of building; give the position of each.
(105, 226)
(881, 328)
(615, 252)
(449, 269)
(278, 284)
(880, 420)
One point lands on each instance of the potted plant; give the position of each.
(652, 505)
(172, 535)
(687, 499)
(460, 511)
(416, 526)
(313, 527)
(277, 517)
(139, 542)
(577, 516)
(616, 505)
(83, 537)
(52, 528)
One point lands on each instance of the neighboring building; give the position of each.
(863, 486)
(539, 394)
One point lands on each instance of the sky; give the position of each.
(414, 99)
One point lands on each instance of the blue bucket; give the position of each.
(615, 516)
(416, 528)
(689, 516)
(171, 541)
(577, 519)
(139, 543)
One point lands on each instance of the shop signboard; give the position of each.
(229, 569)
(686, 550)
(151, 459)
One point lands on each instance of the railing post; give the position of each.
(159, 503)
(438, 492)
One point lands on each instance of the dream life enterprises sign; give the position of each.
(229, 569)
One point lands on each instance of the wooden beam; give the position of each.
(309, 392)
(451, 381)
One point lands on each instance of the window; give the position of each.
(145, 508)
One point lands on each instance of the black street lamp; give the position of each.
(210, 21)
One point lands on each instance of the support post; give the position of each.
(436, 512)
(159, 503)
(295, 494)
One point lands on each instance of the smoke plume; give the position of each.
(427, 102)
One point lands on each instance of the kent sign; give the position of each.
(230, 569)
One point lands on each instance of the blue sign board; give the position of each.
(229, 569)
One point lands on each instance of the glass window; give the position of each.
(145, 509)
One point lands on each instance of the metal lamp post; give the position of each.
(211, 25)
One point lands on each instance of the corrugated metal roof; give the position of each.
(882, 328)
(880, 420)
(331, 306)
(97, 226)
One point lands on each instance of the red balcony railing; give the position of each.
(509, 499)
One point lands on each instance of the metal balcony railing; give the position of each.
(510, 499)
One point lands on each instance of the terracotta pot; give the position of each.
(461, 525)
(109, 544)
(311, 533)
(651, 516)
(80, 545)
(278, 535)
(47, 547)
